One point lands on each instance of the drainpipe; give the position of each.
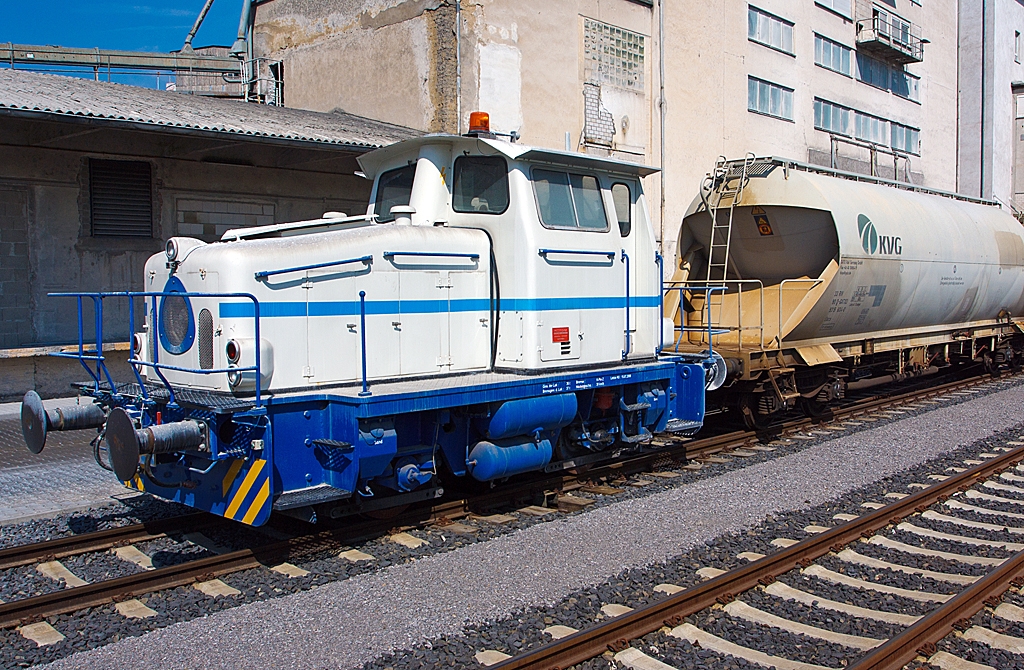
(240, 47)
(458, 66)
(661, 115)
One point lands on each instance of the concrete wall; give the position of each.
(989, 139)
(46, 243)
(524, 62)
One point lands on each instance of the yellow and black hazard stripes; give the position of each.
(249, 497)
(135, 483)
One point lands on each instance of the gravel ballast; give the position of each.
(348, 623)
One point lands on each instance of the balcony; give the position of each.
(891, 38)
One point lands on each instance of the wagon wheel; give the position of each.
(753, 419)
(814, 408)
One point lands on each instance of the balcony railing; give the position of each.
(891, 38)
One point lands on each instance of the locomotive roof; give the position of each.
(372, 161)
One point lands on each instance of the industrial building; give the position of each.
(96, 176)
(991, 133)
(864, 86)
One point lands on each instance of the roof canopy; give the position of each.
(35, 95)
(371, 162)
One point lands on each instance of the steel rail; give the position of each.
(28, 610)
(923, 635)
(13, 557)
(616, 633)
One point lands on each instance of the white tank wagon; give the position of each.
(495, 312)
(832, 277)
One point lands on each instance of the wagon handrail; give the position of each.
(700, 285)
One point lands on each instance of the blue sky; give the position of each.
(153, 25)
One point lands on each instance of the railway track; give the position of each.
(918, 638)
(34, 609)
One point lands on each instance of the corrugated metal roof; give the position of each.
(32, 93)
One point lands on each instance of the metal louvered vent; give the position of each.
(121, 198)
(205, 340)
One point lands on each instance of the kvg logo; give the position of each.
(872, 242)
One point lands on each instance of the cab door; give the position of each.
(623, 194)
(579, 285)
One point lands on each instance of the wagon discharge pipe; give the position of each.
(36, 421)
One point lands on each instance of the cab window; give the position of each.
(481, 185)
(623, 201)
(568, 200)
(394, 188)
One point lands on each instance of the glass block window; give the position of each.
(905, 138)
(832, 118)
(832, 55)
(765, 97)
(612, 55)
(770, 30)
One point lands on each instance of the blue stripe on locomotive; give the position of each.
(387, 307)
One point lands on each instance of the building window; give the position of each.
(832, 118)
(842, 7)
(905, 138)
(613, 55)
(832, 55)
(870, 128)
(893, 26)
(769, 30)
(1016, 46)
(765, 97)
(906, 85)
(121, 198)
(887, 77)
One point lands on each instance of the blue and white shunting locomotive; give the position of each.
(496, 311)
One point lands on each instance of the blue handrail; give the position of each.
(582, 252)
(362, 339)
(661, 299)
(99, 358)
(438, 254)
(629, 335)
(269, 273)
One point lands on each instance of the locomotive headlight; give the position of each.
(137, 345)
(233, 350)
(234, 378)
(171, 249)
